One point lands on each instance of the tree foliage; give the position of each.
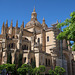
(68, 32)
(21, 71)
(8, 67)
(38, 70)
(58, 71)
(25, 69)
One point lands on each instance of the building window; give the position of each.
(49, 62)
(9, 46)
(24, 59)
(25, 47)
(38, 40)
(47, 38)
(12, 45)
(31, 60)
(26, 39)
(46, 62)
(13, 37)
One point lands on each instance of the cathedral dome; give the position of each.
(33, 20)
(31, 23)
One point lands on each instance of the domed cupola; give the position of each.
(34, 15)
(33, 19)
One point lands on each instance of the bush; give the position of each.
(58, 71)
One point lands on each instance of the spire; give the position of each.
(34, 9)
(44, 25)
(23, 24)
(43, 20)
(3, 29)
(33, 15)
(17, 24)
(3, 25)
(7, 24)
(11, 23)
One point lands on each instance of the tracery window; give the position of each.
(11, 45)
(25, 47)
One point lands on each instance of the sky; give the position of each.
(51, 10)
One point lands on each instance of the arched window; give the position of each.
(13, 37)
(12, 45)
(25, 47)
(24, 59)
(38, 40)
(9, 46)
(49, 62)
(47, 38)
(16, 37)
(26, 39)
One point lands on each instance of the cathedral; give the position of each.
(36, 42)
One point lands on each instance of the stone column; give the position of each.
(13, 57)
(37, 59)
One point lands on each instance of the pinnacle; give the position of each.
(7, 22)
(3, 23)
(43, 18)
(34, 9)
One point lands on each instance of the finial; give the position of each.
(6, 23)
(22, 26)
(17, 23)
(11, 23)
(43, 18)
(3, 24)
(3, 29)
(23, 23)
(34, 9)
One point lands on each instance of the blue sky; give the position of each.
(21, 10)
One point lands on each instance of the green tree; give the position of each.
(58, 71)
(8, 67)
(38, 70)
(68, 32)
(21, 71)
(52, 72)
(25, 67)
(2, 67)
